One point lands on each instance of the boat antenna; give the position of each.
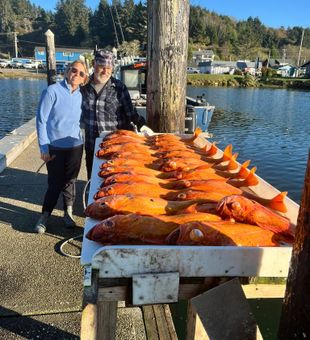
(114, 26)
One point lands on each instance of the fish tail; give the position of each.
(244, 171)
(227, 153)
(251, 179)
(197, 132)
(212, 150)
(232, 164)
(277, 203)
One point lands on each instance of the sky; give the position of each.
(272, 13)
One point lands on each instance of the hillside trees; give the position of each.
(75, 25)
(71, 22)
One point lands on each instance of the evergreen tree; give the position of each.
(102, 30)
(72, 22)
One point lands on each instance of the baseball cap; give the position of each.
(104, 58)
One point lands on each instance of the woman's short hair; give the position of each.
(81, 62)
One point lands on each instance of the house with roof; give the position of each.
(202, 56)
(306, 68)
(250, 67)
(62, 55)
(217, 67)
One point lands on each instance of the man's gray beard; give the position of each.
(99, 79)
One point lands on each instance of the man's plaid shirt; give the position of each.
(109, 110)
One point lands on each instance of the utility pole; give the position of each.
(268, 60)
(15, 44)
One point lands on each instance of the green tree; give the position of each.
(72, 22)
(102, 30)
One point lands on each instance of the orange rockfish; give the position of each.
(242, 209)
(222, 233)
(137, 229)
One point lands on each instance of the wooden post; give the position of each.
(168, 22)
(295, 318)
(50, 57)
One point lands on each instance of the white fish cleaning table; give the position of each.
(165, 274)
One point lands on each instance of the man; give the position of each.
(106, 105)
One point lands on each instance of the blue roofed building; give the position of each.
(62, 55)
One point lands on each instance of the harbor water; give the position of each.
(271, 127)
(19, 99)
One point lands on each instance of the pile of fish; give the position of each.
(164, 189)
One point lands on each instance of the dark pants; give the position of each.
(62, 172)
(89, 161)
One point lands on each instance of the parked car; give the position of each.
(4, 63)
(60, 68)
(192, 70)
(16, 64)
(30, 65)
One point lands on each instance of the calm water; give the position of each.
(18, 99)
(270, 127)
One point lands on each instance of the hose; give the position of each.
(68, 240)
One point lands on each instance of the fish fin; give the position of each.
(212, 150)
(277, 203)
(232, 164)
(243, 171)
(251, 179)
(197, 132)
(227, 153)
(201, 167)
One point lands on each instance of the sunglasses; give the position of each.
(76, 71)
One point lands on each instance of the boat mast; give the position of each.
(119, 23)
(114, 26)
(300, 47)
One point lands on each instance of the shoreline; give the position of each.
(226, 80)
(196, 80)
(11, 73)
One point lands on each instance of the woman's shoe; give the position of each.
(40, 226)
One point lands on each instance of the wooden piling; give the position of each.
(295, 318)
(168, 23)
(50, 57)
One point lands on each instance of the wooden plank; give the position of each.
(150, 323)
(161, 322)
(106, 320)
(224, 314)
(170, 324)
(89, 322)
(121, 293)
(264, 291)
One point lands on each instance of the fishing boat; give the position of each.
(198, 111)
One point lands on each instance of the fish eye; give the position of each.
(235, 205)
(109, 224)
(196, 235)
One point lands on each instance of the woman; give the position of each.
(60, 141)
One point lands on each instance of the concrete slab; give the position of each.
(41, 290)
(12, 145)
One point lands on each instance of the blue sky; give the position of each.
(274, 13)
